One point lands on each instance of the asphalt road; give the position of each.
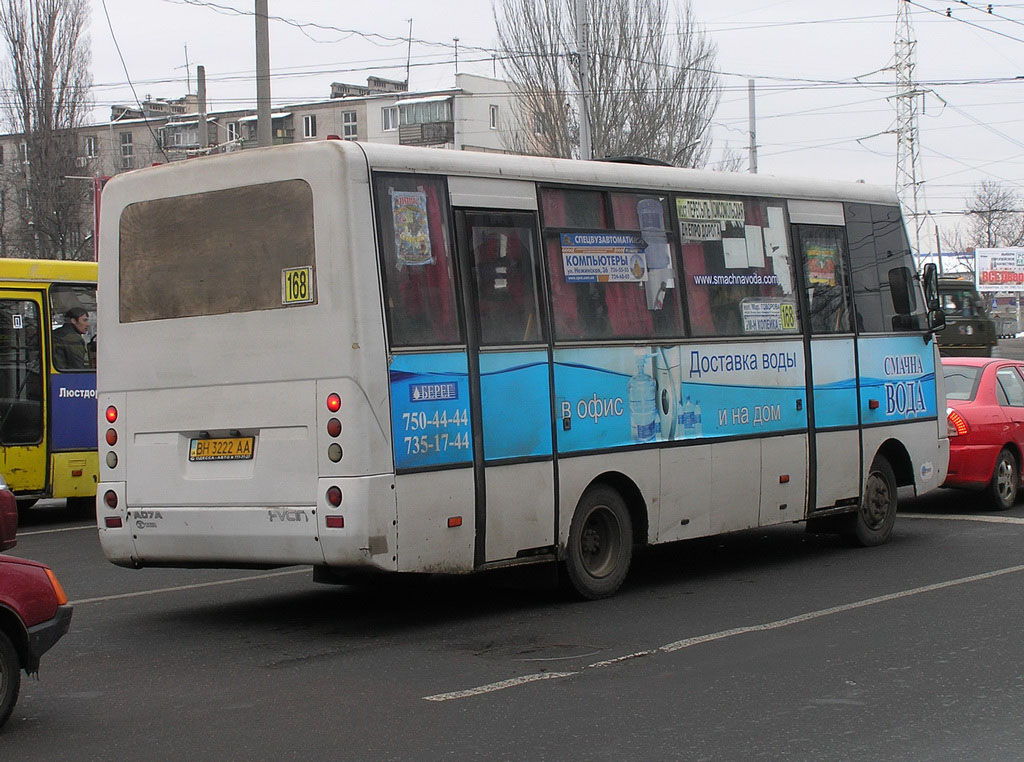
(762, 645)
(769, 644)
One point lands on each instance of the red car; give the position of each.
(33, 611)
(985, 420)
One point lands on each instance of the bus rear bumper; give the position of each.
(256, 536)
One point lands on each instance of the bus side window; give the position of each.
(884, 290)
(415, 242)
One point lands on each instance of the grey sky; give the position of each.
(813, 118)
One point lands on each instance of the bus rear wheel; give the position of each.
(600, 545)
(872, 523)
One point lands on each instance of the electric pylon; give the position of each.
(909, 175)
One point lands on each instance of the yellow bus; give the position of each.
(48, 381)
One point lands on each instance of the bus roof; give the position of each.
(47, 270)
(394, 158)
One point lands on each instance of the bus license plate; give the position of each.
(232, 448)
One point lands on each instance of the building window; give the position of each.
(431, 112)
(538, 124)
(127, 151)
(27, 198)
(494, 117)
(232, 131)
(89, 146)
(349, 125)
(1, 154)
(23, 151)
(309, 126)
(389, 118)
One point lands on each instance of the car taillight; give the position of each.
(956, 424)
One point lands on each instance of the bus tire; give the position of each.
(25, 503)
(10, 677)
(1004, 485)
(873, 521)
(600, 544)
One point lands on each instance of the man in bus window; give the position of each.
(69, 350)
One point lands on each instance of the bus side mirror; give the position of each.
(936, 320)
(931, 289)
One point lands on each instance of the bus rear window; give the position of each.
(218, 252)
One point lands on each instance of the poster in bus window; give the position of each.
(821, 263)
(412, 229)
(603, 258)
(710, 219)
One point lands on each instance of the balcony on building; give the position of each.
(426, 121)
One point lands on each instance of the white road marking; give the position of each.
(510, 683)
(195, 586)
(711, 637)
(962, 517)
(51, 531)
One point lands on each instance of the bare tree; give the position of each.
(994, 219)
(653, 89)
(47, 77)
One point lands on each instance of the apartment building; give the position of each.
(471, 116)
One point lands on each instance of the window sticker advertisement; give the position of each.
(822, 257)
(999, 269)
(412, 231)
(706, 219)
(767, 315)
(603, 258)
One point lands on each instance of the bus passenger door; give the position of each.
(834, 455)
(510, 379)
(22, 392)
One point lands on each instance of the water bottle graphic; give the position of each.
(698, 429)
(642, 410)
(686, 419)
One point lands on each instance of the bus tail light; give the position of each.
(334, 402)
(112, 522)
(110, 498)
(334, 496)
(956, 424)
(111, 414)
(111, 437)
(335, 522)
(334, 427)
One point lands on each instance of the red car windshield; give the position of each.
(961, 381)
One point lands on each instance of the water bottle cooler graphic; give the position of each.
(643, 410)
(686, 427)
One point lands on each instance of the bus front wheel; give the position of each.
(874, 519)
(600, 544)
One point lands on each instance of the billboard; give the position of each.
(999, 269)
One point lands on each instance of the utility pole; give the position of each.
(938, 249)
(752, 120)
(909, 175)
(263, 126)
(204, 132)
(586, 145)
(408, 56)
